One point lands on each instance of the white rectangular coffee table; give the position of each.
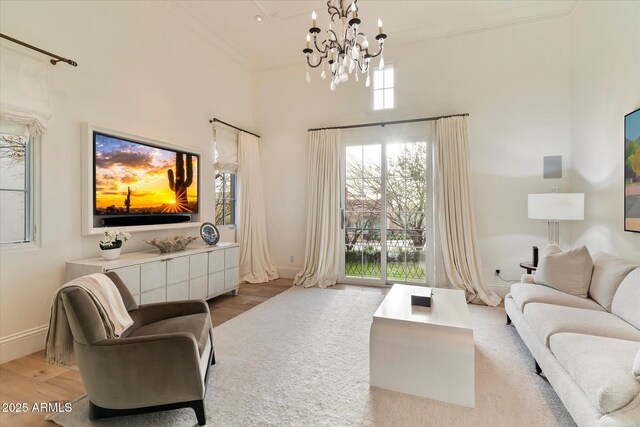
(424, 351)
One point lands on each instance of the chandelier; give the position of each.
(345, 48)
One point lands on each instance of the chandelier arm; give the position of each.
(373, 55)
(345, 11)
(331, 7)
(316, 65)
(315, 43)
(335, 36)
(362, 67)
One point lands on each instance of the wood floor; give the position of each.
(31, 380)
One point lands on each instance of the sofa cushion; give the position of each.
(547, 320)
(626, 301)
(636, 366)
(525, 293)
(568, 271)
(197, 324)
(600, 366)
(608, 273)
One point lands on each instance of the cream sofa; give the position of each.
(586, 347)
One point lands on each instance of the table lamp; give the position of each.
(556, 207)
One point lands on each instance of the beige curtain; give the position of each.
(457, 221)
(255, 261)
(321, 260)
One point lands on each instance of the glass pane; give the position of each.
(353, 261)
(395, 263)
(13, 161)
(232, 211)
(227, 184)
(396, 194)
(12, 216)
(371, 263)
(233, 179)
(354, 162)
(219, 212)
(378, 79)
(371, 161)
(371, 220)
(372, 192)
(354, 195)
(219, 185)
(352, 238)
(396, 161)
(388, 77)
(415, 266)
(388, 98)
(227, 211)
(353, 220)
(378, 100)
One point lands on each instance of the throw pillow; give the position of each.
(636, 366)
(568, 271)
(608, 273)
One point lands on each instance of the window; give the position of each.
(225, 198)
(16, 195)
(383, 88)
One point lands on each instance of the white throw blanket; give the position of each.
(106, 297)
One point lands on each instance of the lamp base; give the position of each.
(554, 232)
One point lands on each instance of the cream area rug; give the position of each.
(302, 359)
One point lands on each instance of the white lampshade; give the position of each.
(556, 206)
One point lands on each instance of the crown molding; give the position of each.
(507, 18)
(451, 28)
(196, 24)
(536, 12)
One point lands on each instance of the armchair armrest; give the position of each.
(142, 371)
(527, 278)
(150, 313)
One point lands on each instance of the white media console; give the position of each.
(199, 272)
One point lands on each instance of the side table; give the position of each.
(528, 266)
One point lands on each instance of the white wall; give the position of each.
(514, 82)
(605, 85)
(141, 70)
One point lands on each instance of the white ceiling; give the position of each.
(279, 39)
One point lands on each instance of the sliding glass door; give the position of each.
(387, 202)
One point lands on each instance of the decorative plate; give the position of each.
(209, 233)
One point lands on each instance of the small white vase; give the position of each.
(110, 254)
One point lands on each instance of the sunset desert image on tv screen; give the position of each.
(136, 179)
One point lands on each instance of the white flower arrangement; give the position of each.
(112, 239)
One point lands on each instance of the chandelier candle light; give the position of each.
(345, 48)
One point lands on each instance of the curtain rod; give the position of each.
(232, 126)
(396, 122)
(37, 49)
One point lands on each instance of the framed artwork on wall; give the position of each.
(632, 171)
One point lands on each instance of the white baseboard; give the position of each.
(287, 272)
(501, 289)
(22, 343)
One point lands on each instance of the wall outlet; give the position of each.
(291, 258)
(497, 271)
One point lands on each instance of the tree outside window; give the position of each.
(225, 198)
(15, 189)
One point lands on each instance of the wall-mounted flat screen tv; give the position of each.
(133, 178)
(632, 171)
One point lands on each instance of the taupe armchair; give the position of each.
(160, 363)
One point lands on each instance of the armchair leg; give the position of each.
(538, 368)
(198, 407)
(97, 412)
